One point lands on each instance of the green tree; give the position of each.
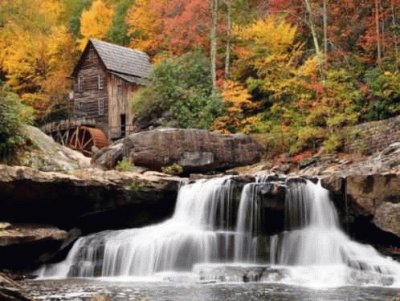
(180, 93)
(73, 11)
(382, 94)
(118, 33)
(13, 115)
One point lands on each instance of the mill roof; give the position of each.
(121, 59)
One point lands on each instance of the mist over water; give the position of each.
(214, 235)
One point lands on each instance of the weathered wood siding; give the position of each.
(120, 94)
(90, 101)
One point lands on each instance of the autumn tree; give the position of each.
(169, 28)
(37, 71)
(95, 22)
(238, 105)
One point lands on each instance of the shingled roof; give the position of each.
(122, 60)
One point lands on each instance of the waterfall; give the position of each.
(216, 233)
(197, 232)
(314, 246)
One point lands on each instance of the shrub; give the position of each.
(13, 115)
(125, 165)
(333, 143)
(173, 169)
(383, 94)
(179, 94)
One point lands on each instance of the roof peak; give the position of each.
(115, 45)
(122, 59)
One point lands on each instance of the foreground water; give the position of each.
(86, 289)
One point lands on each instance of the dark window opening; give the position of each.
(123, 125)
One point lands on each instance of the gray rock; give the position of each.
(195, 150)
(108, 157)
(47, 155)
(387, 218)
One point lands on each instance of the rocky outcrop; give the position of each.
(387, 218)
(195, 150)
(365, 193)
(11, 290)
(369, 206)
(15, 240)
(90, 199)
(47, 155)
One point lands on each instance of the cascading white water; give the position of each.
(211, 227)
(318, 249)
(197, 232)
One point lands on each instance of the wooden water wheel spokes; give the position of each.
(83, 139)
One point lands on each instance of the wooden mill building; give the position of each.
(104, 82)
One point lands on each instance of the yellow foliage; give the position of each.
(237, 100)
(273, 34)
(144, 23)
(267, 49)
(95, 22)
(38, 70)
(310, 67)
(52, 10)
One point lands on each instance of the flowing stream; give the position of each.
(215, 235)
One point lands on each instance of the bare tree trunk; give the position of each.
(382, 23)
(228, 39)
(213, 41)
(378, 33)
(396, 45)
(314, 35)
(325, 20)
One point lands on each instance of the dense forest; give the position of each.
(299, 70)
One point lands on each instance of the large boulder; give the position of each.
(193, 149)
(47, 155)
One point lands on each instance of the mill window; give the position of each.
(80, 84)
(100, 82)
(100, 104)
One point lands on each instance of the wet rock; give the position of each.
(357, 277)
(195, 150)
(17, 239)
(367, 192)
(271, 274)
(98, 297)
(11, 290)
(333, 183)
(62, 251)
(237, 273)
(387, 218)
(230, 273)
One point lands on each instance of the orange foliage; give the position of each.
(173, 26)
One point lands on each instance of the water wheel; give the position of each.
(83, 139)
